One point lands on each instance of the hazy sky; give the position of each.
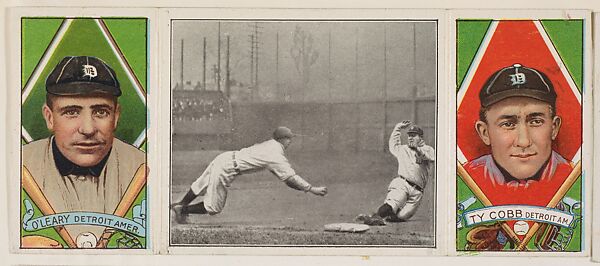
(355, 59)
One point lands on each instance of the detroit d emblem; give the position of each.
(90, 71)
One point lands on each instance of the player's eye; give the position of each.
(101, 113)
(508, 125)
(536, 122)
(70, 112)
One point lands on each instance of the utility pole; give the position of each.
(414, 59)
(227, 72)
(204, 64)
(385, 118)
(181, 78)
(277, 61)
(219, 57)
(256, 54)
(251, 59)
(329, 86)
(356, 92)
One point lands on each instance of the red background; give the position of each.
(518, 42)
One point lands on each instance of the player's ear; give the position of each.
(556, 122)
(482, 130)
(47, 113)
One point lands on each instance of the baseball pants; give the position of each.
(212, 184)
(403, 198)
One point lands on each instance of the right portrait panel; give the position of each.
(519, 135)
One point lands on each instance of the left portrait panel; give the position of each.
(83, 129)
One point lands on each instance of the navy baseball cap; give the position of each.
(82, 75)
(283, 132)
(517, 81)
(414, 129)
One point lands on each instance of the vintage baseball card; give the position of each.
(302, 129)
(523, 133)
(83, 142)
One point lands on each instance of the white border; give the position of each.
(587, 151)
(332, 14)
(5, 135)
(596, 187)
(13, 144)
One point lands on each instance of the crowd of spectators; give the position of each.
(199, 109)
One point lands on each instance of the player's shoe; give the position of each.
(180, 217)
(370, 219)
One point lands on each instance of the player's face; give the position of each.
(520, 131)
(286, 142)
(83, 127)
(414, 139)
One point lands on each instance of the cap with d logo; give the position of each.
(82, 75)
(517, 81)
(415, 130)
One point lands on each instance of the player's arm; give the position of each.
(281, 168)
(425, 153)
(396, 137)
(298, 183)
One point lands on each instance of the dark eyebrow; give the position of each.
(537, 114)
(514, 117)
(101, 106)
(69, 107)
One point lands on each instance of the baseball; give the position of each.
(86, 240)
(521, 228)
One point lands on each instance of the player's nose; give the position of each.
(87, 126)
(523, 138)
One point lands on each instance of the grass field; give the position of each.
(261, 210)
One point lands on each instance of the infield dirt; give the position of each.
(263, 211)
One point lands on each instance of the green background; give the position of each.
(567, 38)
(84, 37)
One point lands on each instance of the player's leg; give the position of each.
(396, 198)
(198, 187)
(410, 208)
(197, 208)
(216, 194)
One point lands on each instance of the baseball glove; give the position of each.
(485, 237)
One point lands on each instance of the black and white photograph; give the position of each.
(303, 133)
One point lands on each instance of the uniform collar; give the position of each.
(509, 178)
(66, 167)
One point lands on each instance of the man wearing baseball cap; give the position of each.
(518, 121)
(82, 166)
(222, 171)
(415, 167)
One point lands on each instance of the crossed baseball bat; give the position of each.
(131, 193)
(521, 245)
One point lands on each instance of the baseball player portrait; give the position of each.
(518, 121)
(214, 182)
(82, 166)
(415, 167)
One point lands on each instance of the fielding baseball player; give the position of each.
(82, 166)
(415, 166)
(222, 171)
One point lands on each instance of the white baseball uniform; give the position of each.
(406, 190)
(221, 172)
